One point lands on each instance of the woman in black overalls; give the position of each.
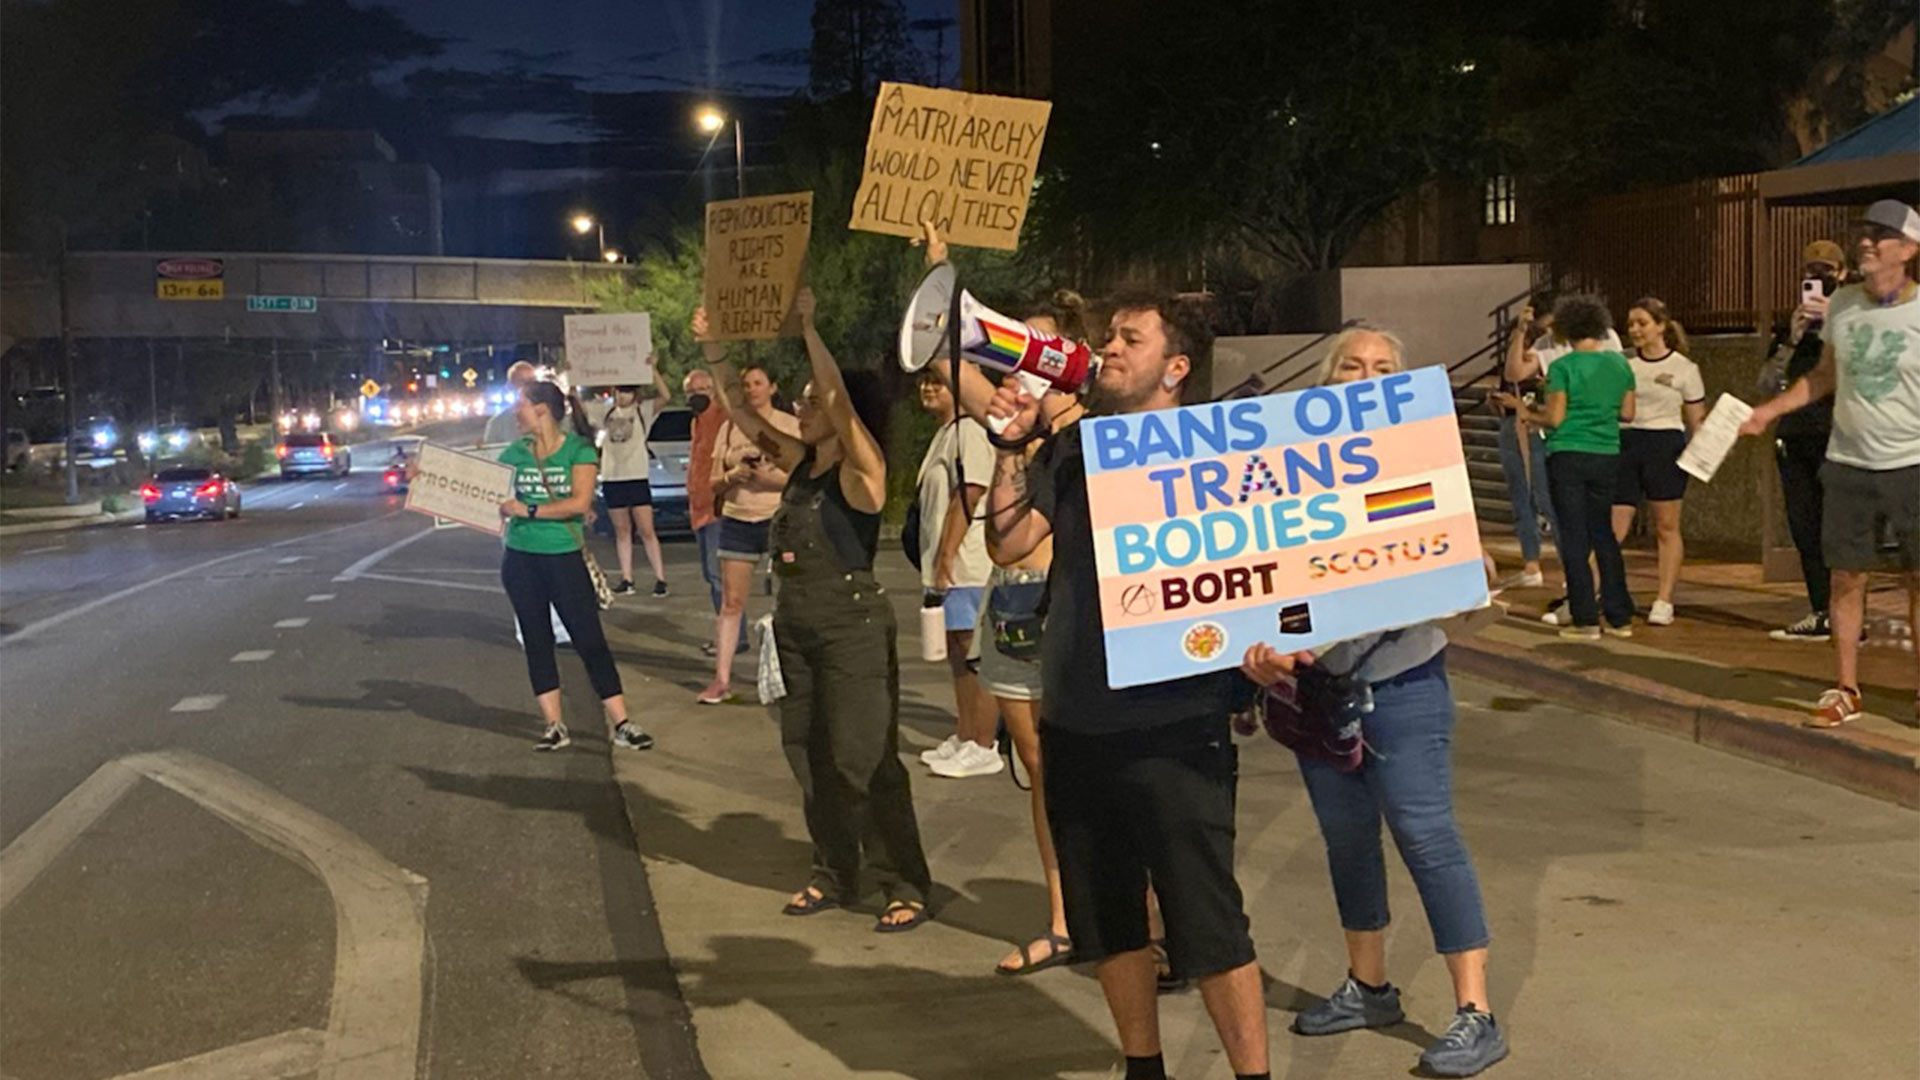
(834, 627)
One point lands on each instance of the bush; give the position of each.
(254, 460)
(112, 504)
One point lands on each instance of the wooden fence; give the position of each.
(1692, 245)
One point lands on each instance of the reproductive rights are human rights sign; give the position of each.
(1300, 520)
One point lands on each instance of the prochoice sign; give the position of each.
(190, 279)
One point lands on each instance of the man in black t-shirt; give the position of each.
(1139, 782)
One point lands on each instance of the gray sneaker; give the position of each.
(1350, 1007)
(1472, 1043)
(628, 736)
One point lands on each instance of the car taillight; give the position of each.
(211, 487)
(280, 451)
(149, 493)
(326, 451)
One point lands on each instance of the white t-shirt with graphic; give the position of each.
(1662, 389)
(938, 482)
(622, 436)
(1876, 396)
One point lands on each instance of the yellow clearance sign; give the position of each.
(190, 279)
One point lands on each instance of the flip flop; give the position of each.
(1061, 952)
(812, 902)
(920, 915)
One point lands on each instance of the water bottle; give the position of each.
(933, 627)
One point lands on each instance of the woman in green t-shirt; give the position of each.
(554, 472)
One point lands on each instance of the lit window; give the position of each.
(1500, 207)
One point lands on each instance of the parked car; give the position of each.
(176, 493)
(669, 445)
(19, 449)
(311, 453)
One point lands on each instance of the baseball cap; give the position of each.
(1824, 251)
(1896, 215)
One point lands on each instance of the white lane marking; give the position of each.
(298, 505)
(42, 550)
(359, 569)
(320, 597)
(200, 703)
(381, 965)
(291, 624)
(51, 621)
(398, 580)
(339, 485)
(276, 1057)
(251, 656)
(291, 559)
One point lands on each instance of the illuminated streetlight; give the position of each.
(610, 255)
(582, 224)
(586, 223)
(712, 121)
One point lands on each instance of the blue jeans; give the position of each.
(1531, 501)
(1408, 779)
(709, 537)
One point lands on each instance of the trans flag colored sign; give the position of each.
(1300, 520)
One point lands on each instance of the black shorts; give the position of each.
(621, 494)
(1148, 807)
(1650, 467)
(1862, 507)
(745, 541)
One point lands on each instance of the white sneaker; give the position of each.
(1531, 581)
(1557, 614)
(1660, 614)
(971, 760)
(942, 752)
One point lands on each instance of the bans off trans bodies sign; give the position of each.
(963, 161)
(1300, 520)
(756, 249)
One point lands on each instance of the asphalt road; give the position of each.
(317, 845)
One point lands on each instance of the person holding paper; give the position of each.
(555, 470)
(1589, 395)
(1870, 365)
(625, 470)
(1670, 402)
(834, 627)
(1406, 777)
(746, 483)
(1139, 781)
(502, 429)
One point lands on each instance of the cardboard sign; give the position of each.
(460, 487)
(1300, 520)
(964, 161)
(610, 350)
(756, 249)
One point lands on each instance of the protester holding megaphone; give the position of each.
(835, 631)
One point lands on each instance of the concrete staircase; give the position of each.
(1480, 431)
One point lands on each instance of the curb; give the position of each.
(64, 524)
(1857, 760)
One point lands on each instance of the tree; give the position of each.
(1282, 136)
(857, 44)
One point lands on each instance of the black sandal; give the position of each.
(885, 926)
(813, 900)
(1061, 953)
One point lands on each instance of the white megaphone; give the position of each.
(1041, 362)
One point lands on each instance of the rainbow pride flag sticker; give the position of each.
(1400, 502)
(1004, 343)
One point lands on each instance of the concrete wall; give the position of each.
(1724, 518)
(1441, 312)
(1235, 358)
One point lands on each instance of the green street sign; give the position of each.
(302, 305)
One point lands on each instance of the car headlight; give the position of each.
(103, 438)
(147, 442)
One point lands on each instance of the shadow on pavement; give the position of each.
(441, 704)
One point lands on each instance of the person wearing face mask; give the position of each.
(709, 418)
(1405, 777)
(838, 643)
(746, 483)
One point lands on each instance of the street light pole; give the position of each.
(739, 160)
(67, 377)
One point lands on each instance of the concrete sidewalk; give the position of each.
(1623, 871)
(1715, 677)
